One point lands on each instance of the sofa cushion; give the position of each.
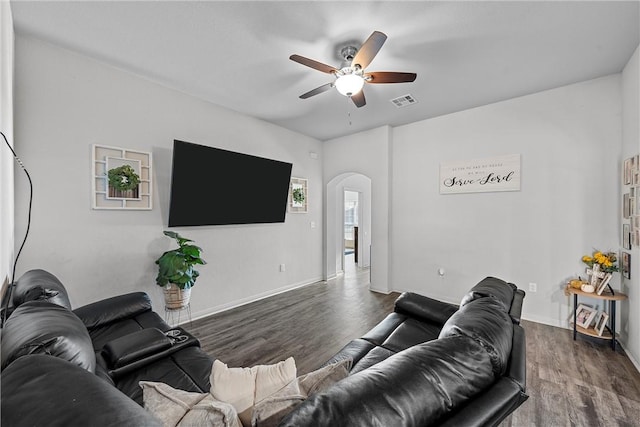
(377, 355)
(187, 369)
(416, 387)
(382, 330)
(40, 285)
(176, 407)
(491, 287)
(46, 328)
(486, 322)
(354, 351)
(411, 332)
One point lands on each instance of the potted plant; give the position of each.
(176, 272)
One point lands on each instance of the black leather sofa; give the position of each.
(427, 363)
(431, 363)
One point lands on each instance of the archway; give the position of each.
(334, 214)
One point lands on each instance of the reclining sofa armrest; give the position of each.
(517, 369)
(112, 309)
(424, 308)
(490, 407)
(516, 305)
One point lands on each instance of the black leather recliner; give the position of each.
(431, 363)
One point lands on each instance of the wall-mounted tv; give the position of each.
(211, 186)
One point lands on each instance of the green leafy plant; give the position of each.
(177, 266)
(123, 178)
(298, 195)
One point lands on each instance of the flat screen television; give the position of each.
(211, 186)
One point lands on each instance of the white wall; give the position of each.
(6, 126)
(569, 140)
(64, 103)
(630, 325)
(366, 153)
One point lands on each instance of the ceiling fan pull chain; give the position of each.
(349, 109)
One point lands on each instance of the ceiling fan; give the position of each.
(351, 77)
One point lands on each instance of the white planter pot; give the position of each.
(176, 298)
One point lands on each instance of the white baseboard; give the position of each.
(628, 353)
(379, 291)
(238, 303)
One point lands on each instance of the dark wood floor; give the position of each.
(570, 383)
(576, 383)
(311, 324)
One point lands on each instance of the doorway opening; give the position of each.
(351, 231)
(337, 214)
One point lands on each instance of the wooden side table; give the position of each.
(610, 334)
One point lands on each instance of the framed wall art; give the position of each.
(121, 178)
(480, 175)
(626, 264)
(626, 236)
(298, 196)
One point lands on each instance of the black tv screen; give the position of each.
(211, 186)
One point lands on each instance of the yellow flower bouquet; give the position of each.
(606, 260)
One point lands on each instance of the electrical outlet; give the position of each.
(282, 268)
(533, 287)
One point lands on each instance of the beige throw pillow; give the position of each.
(179, 408)
(243, 387)
(323, 378)
(235, 386)
(270, 411)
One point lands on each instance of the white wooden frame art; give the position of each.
(298, 185)
(103, 196)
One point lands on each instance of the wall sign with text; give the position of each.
(480, 175)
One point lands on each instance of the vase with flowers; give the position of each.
(601, 266)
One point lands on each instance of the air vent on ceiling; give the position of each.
(403, 101)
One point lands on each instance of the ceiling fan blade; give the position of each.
(369, 49)
(317, 90)
(313, 64)
(389, 77)
(358, 99)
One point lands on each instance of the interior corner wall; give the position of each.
(6, 126)
(366, 153)
(64, 103)
(630, 324)
(568, 204)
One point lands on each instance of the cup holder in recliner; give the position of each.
(176, 336)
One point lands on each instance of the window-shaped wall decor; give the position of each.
(121, 178)
(298, 196)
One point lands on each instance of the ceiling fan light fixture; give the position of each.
(349, 84)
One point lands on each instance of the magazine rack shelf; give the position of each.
(608, 296)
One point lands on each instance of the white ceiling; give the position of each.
(236, 53)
